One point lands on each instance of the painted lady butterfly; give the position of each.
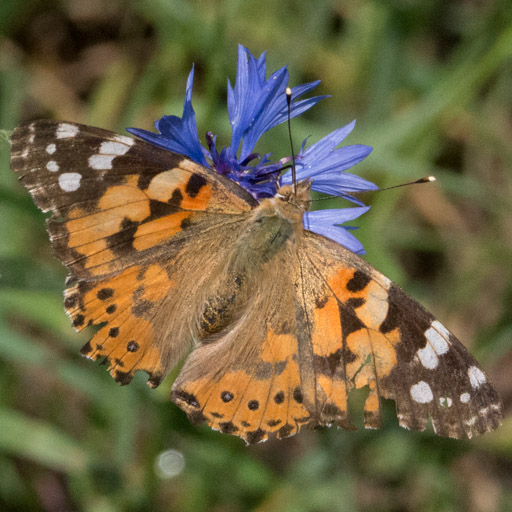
(162, 251)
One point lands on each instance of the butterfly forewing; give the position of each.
(367, 333)
(123, 215)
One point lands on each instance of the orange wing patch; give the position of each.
(373, 353)
(346, 314)
(248, 403)
(359, 307)
(159, 231)
(127, 220)
(191, 190)
(331, 388)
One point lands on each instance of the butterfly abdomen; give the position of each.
(220, 309)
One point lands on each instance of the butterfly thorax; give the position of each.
(267, 240)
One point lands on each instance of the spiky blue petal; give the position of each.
(327, 223)
(256, 104)
(325, 166)
(177, 134)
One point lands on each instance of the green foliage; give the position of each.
(430, 85)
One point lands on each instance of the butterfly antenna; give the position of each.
(294, 173)
(425, 179)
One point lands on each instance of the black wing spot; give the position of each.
(176, 198)
(392, 320)
(255, 436)
(71, 301)
(105, 293)
(144, 180)
(188, 398)
(285, 430)
(155, 380)
(114, 332)
(118, 241)
(132, 346)
(358, 282)
(194, 185)
(253, 405)
(185, 223)
(228, 427)
(226, 396)
(349, 320)
(159, 209)
(279, 397)
(78, 320)
(86, 349)
(111, 309)
(297, 395)
(355, 302)
(320, 302)
(123, 377)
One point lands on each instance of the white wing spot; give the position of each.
(31, 139)
(66, 131)
(428, 357)
(465, 398)
(422, 393)
(51, 148)
(386, 282)
(476, 377)
(445, 401)
(24, 153)
(52, 166)
(437, 336)
(471, 422)
(101, 162)
(124, 140)
(113, 148)
(70, 181)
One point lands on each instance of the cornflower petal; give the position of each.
(327, 223)
(255, 105)
(325, 166)
(178, 134)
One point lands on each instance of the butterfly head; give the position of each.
(300, 198)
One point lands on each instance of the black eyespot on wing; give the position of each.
(253, 405)
(226, 396)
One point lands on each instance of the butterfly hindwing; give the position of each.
(247, 382)
(123, 215)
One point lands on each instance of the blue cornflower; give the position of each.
(255, 105)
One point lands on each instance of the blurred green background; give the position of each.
(430, 83)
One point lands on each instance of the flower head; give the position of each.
(255, 105)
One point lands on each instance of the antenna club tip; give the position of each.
(431, 178)
(288, 91)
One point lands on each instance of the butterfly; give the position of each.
(165, 255)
